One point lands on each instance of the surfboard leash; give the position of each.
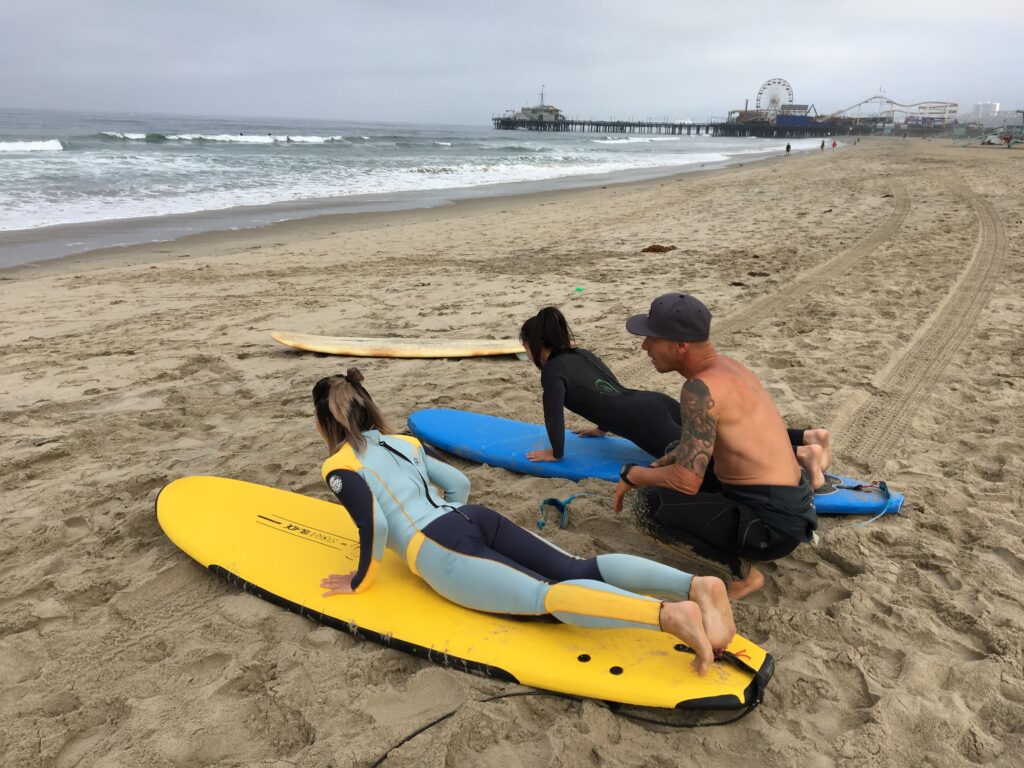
(614, 708)
(562, 507)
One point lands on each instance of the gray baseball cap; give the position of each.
(674, 316)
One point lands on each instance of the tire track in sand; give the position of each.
(637, 374)
(828, 271)
(869, 428)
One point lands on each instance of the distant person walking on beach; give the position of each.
(834, 145)
(787, 147)
(822, 145)
(732, 489)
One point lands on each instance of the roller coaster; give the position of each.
(881, 108)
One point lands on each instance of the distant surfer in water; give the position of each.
(731, 489)
(477, 558)
(577, 379)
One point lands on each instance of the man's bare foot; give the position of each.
(740, 588)
(820, 437)
(685, 622)
(809, 457)
(709, 593)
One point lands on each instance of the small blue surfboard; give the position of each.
(504, 442)
(846, 496)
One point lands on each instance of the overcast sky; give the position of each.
(453, 61)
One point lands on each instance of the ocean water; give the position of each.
(71, 181)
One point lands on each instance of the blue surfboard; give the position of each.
(504, 442)
(845, 496)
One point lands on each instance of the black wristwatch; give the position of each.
(624, 474)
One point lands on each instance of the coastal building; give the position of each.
(933, 113)
(985, 112)
(990, 114)
(544, 113)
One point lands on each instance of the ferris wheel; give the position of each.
(773, 94)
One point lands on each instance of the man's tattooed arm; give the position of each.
(689, 460)
(697, 440)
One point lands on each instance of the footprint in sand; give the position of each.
(75, 527)
(942, 573)
(17, 664)
(206, 669)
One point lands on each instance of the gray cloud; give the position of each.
(461, 62)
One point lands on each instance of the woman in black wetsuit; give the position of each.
(577, 379)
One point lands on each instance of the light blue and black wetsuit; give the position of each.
(577, 379)
(472, 555)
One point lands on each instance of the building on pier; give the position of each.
(542, 113)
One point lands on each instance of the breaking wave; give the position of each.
(48, 145)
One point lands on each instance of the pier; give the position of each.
(601, 126)
(775, 116)
(761, 129)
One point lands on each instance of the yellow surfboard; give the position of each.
(279, 545)
(397, 347)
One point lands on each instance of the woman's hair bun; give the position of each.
(354, 376)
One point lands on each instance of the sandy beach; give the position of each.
(878, 290)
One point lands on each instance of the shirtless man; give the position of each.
(756, 502)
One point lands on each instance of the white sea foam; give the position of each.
(211, 192)
(317, 139)
(241, 138)
(125, 136)
(634, 139)
(208, 193)
(192, 166)
(51, 145)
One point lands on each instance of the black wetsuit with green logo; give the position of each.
(577, 379)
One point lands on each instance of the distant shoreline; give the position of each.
(25, 248)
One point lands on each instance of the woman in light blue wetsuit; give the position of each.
(473, 556)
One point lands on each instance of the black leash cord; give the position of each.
(614, 709)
